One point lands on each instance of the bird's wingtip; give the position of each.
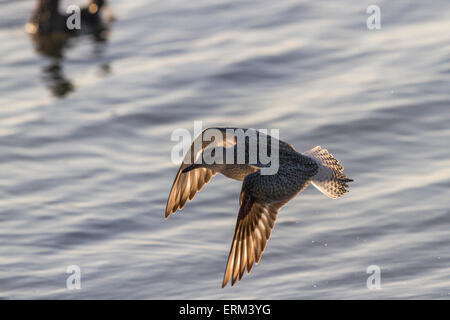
(224, 283)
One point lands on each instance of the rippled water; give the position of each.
(84, 177)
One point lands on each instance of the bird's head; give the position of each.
(213, 158)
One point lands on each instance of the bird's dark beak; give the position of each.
(191, 167)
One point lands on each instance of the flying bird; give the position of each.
(262, 195)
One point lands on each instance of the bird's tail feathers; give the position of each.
(329, 178)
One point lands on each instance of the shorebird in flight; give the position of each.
(261, 195)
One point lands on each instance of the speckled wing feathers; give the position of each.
(330, 179)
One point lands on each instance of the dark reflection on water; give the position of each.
(52, 38)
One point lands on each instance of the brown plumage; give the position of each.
(261, 195)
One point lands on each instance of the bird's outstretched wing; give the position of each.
(261, 198)
(187, 184)
(253, 228)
